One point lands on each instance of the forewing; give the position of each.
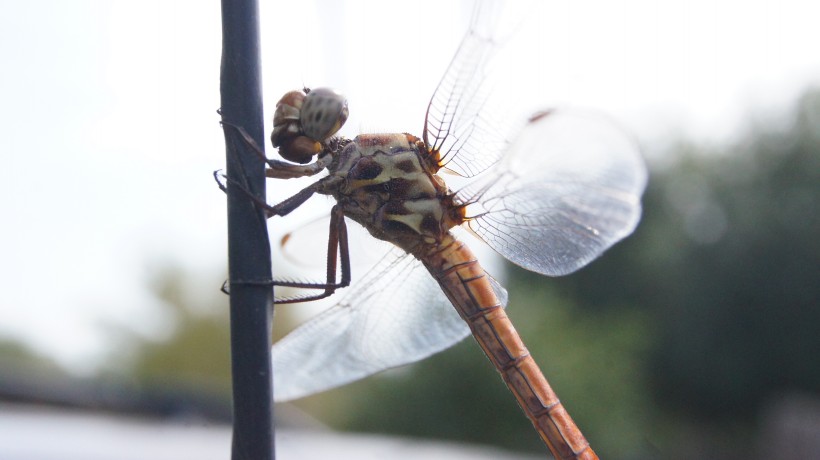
(465, 121)
(567, 189)
(394, 315)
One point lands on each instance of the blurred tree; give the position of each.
(727, 260)
(195, 356)
(16, 355)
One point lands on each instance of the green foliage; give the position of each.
(196, 355)
(594, 360)
(748, 300)
(726, 262)
(16, 357)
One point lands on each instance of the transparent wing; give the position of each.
(304, 249)
(394, 315)
(464, 120)
(568, 189)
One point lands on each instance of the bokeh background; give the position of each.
(696, 337)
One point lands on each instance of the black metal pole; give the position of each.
(248, 245)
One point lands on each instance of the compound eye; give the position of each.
(323, 113)
(286, 122)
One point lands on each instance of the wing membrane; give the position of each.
(395, 315)
(464, 119)
(569, 189)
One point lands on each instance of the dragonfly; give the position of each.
(550, 194)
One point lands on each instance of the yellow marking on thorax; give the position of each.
(411, 220)
(422, 185)
(414, 216)
(432, 207)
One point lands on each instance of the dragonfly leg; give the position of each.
(277, 169)
(336, 244)
(280, 209)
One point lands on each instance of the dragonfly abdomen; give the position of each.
(468, 287)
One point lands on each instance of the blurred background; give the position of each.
(695, 337)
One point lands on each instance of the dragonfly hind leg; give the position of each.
(337, 243)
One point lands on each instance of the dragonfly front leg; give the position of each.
(278, 169)
(337, 242)
(280, 209)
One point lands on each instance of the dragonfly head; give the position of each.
(305, 120)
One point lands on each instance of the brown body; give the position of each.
(388, 184)
(464, 281)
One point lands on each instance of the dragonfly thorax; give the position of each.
(388, 184)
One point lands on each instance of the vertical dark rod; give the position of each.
(248, 245)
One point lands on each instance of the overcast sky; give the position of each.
(110, 133)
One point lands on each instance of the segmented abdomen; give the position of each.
(467, 286)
